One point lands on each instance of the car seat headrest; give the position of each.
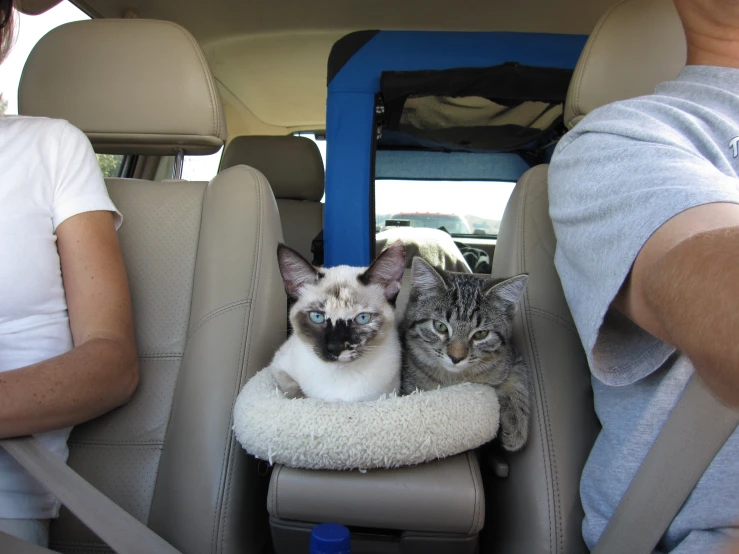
(635, 46)
(134, 86)
(292, 165)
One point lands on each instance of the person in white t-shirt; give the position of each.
(67, 347)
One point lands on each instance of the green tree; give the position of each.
(3, 104)
(110, 164)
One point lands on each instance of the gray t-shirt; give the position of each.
(622, 172)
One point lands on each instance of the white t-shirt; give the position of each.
(49, 173)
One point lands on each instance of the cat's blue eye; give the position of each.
(363, 319)
(317, 317)
(480, 335)
(440, 327)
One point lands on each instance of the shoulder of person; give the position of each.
(653, 118)
(34, 123)
(45, 131)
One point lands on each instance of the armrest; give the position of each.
(443, 496)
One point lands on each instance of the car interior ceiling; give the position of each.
(287, 43)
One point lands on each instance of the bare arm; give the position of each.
(101, 371)
(683, 288)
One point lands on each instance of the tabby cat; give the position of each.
(458, 328)
(344, 345)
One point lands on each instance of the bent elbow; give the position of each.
(122, 383)
(130, 380)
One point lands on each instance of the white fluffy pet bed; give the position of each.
(390, 432)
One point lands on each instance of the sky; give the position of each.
(483, 199)
(28, 32)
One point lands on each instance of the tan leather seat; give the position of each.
(209, 304)
(636, 45)
(294, 168)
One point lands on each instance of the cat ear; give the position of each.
(387, 270)
(509, 290)
(425, 277)
(296, 270)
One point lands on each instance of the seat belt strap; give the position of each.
(696, 429)
(116, 527)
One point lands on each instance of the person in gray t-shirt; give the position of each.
(643, 197)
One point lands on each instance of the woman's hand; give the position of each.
(101, 371)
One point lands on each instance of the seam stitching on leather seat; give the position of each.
(554, 318)
(247, 336)
(479, 493)
(543, 420)
(276, 496)
(556, 527)
(218, 311)
(225, 495)
(218, 505)
(476, 486)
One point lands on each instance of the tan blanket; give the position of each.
(433, 245)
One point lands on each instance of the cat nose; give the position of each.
(457, 351)
(335, 347)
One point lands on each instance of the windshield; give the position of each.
(460, 207)
(455, 224)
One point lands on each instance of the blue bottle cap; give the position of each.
(329, 538)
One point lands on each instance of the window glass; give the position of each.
(201, 168)
(321, 143)
(194, 168)
(111, 164)
(460, 207)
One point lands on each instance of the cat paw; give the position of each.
(512, 441)
(287, 385)
(514, 431)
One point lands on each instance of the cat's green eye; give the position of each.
(317, 317)
(480, 335)
(440, 327)
(363, 319)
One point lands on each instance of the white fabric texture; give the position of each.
(49, 174)
(391, 432)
